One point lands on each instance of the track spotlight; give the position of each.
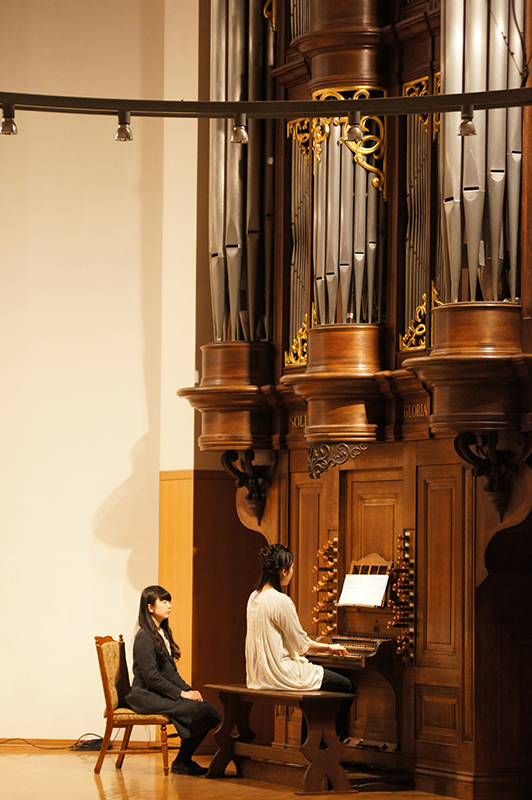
(240, 134)
(8, 126)
(354, 131)
(467, 126)
(123, 132)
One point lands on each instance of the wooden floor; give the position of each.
(30, 774)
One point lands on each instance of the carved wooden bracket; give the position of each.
(255, 477)
(323, 455)
(496, 466)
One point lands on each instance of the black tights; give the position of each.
(188, 747)
(334, 682)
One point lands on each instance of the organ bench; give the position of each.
(319, 708)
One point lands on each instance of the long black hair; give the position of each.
(145, 621)
(273, 559)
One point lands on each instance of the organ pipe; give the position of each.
(514, 140)
(347, 219)
(452, 69)
(333, 220)
(217, 169)
(474, 174)
(482, 50)
(241, 177)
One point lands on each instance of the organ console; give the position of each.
(366, 647)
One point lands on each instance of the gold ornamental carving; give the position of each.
(299, 130)
(297, 355)
(437, 117)
(418, 88)
(415, 336)
(270, 12)
(371, 148)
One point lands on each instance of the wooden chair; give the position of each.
(115, 680)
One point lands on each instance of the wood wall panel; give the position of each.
(176, 540)
(437, 714)
(503, 723)
(515, 698)
(374, 715)
(308, 533)
(439, 566)
(374, 516)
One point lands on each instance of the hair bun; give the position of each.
(274, 557)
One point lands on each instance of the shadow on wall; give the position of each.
(128, 518)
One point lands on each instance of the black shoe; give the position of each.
(188, 768)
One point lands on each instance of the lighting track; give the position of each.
(265, 109)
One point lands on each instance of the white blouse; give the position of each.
(165, 640)
(276, 644)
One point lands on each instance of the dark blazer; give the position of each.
(157, 687)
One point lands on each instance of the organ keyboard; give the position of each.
(363, 650)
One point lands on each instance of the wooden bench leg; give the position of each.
(236, 712)
(324, 761)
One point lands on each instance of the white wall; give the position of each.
(179, 238)
(82, 236)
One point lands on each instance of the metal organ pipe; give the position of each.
(491, 160)
(409, 265)
(346, 230)
(298, 266)
(269, 162)
(234, 200)
(474, 173)
(359, 236)
(380, 255)
(295, 244)
(416, 236)
(496, 172)
(514, 140)
(320, 222)
(241, 177)
(217, 169)
(452, 68)
(348, 235)
(371, 245)
(333, 220)
(254, 163)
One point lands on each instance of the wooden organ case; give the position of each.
(389, 371)
(367, 633)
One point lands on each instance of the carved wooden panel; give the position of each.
(373, 515)
(439, 566)
(437, 714)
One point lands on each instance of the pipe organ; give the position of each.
(371, 302)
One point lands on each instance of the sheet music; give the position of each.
(363, 590)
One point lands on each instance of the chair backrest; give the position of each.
(113, 670)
